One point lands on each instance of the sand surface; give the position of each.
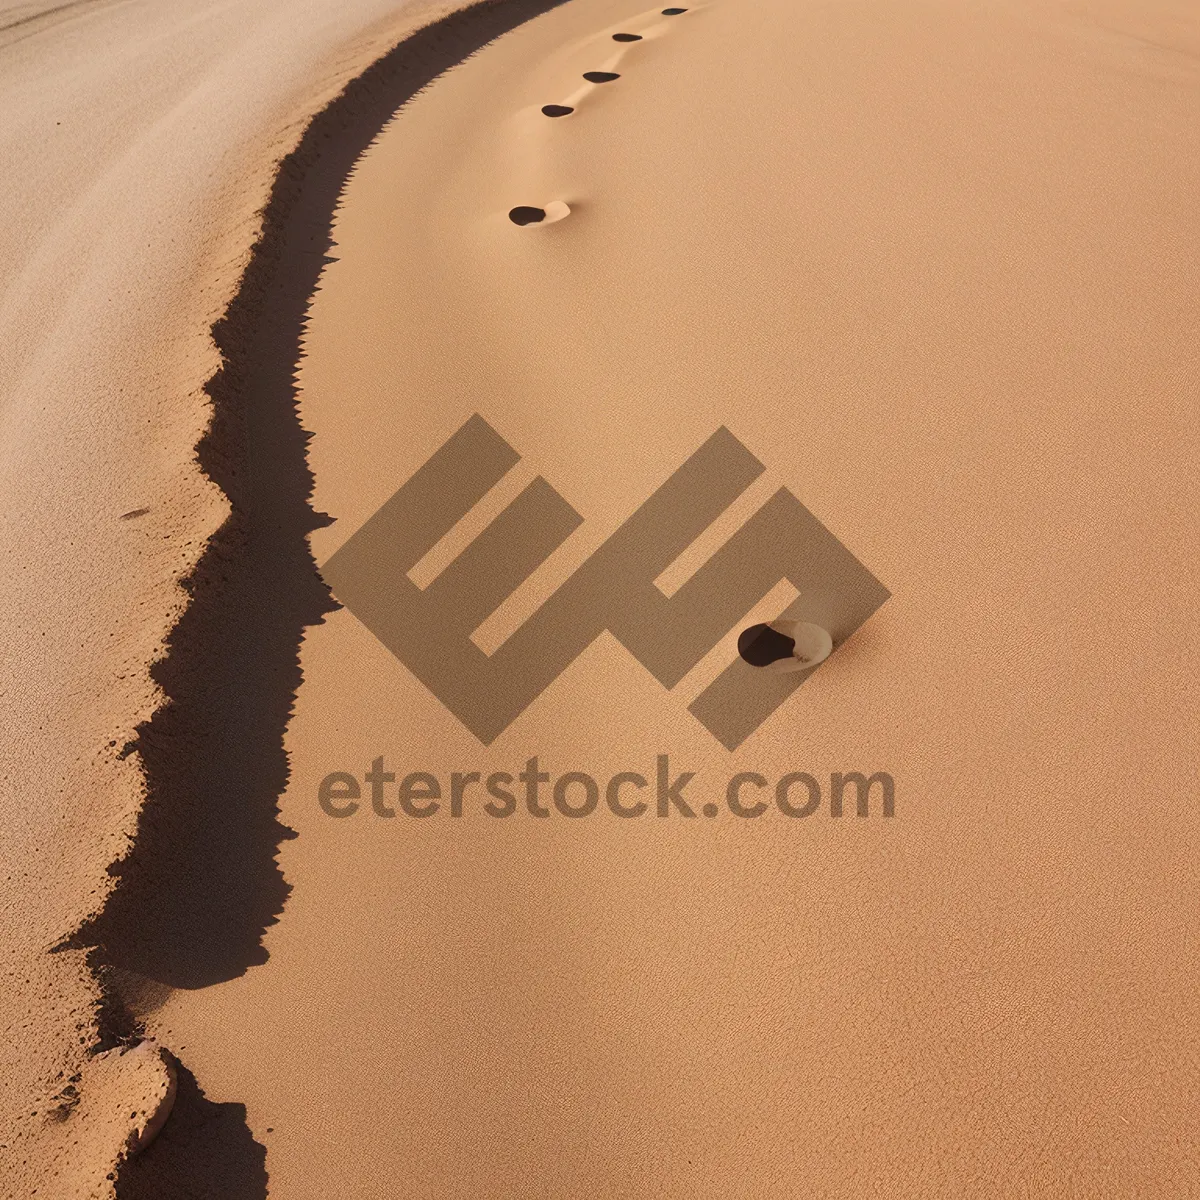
(137, 141)
(933, 265)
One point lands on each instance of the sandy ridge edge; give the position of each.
(77, 1139)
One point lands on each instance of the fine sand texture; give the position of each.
(932, 267)
(880, 313)
(138, 142)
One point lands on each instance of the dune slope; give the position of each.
(933, 266)
(139, 142)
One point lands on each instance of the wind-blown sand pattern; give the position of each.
(935, 266)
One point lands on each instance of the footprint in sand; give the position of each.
(595, 77)
(526, 214)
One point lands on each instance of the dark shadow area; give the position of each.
(204, 1152)
(201, 883)
(526, 214)
(600, 76)
(627, 37)
(557, 110)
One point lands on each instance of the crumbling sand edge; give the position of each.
(230, 288)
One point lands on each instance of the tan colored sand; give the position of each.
(138, 141)
(935, 264)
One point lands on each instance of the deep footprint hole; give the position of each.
(600, 76)
(673, 12)
(627, 37)
(526, 214)
(557, 110)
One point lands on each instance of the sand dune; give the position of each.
(919, 275)
(932, 266)
(138, 141)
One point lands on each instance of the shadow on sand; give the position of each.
(204, 1152)
(201, 884)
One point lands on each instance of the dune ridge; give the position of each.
(630, 1011)
(929, 263)
(81, 1090)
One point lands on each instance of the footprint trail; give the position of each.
(525, 214)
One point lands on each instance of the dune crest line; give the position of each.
(200, 883)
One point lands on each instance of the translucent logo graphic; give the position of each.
(429, 629)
